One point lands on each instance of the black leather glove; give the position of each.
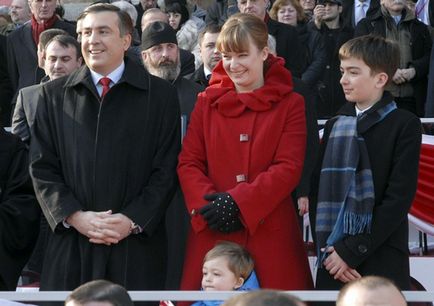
(222, 213)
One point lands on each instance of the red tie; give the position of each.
(105, 82)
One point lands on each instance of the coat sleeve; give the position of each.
(421, 64)
(318, 60)
(260, 197)
(20, 126)
(396, 202)
(159, 190)
(193, 167)
(55, 197)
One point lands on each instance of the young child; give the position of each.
(227, 266)
(368, 176)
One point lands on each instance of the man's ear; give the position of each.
(239, 283)
(144, 56)
(382, 79)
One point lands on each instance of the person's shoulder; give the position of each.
(191, 84)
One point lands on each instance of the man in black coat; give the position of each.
(22, 51)
(19, 211)
(328, 22)
(349, 7)
(103, 162)
(409, 84)
(161, 58)
(209, 54)
(287, 42)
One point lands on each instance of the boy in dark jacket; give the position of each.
(368, 176)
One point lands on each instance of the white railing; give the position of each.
(411, 296)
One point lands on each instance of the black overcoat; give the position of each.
(393, 146)
(120, 154)
(19, 210)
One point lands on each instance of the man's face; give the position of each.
(147, 4)
(19, 11)
(208, 52)
(163, 61)
(331, 11)
(255, 7)
(42, 9)
(394, 7)
(60, 61)
(307, 5)
(154, 17)
(102, 45)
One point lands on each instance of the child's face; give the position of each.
(216, 276)
(359, 85)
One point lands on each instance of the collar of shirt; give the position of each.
(358, 111)
(206, 72)
(397, 19)
(366, 3)
(114, 76)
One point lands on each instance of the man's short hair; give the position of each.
(48, 35)
(100, 291)
(239, 260)
(378, 53)
(370, 283)
(212, 29)
(66, 41)
(124, 20)
(263, 298)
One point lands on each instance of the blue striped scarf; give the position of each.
(346, 190)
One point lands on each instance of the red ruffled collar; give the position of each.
(223, 96)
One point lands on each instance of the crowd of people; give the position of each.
(144, 136)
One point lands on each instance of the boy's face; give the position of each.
(216, 276)
(359, 85)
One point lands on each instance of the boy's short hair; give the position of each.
(378, 53)
(239, 260)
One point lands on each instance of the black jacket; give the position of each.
(347, 14)
(119, 154)
(5, 86)
(19, 210)
(199, 77)
(288, 46)
(393, 147)
(330, 94)
(421, 44)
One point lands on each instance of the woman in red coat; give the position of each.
(241, 158)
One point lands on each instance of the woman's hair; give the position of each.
(176, 7)
(264, 297)
(278, 4)
(239, 260)
(238, 29)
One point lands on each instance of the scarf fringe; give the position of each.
(357, 223)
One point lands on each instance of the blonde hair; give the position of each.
(278, 4)
(239, 260)
(238, 29)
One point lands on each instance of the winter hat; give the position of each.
(158, 33)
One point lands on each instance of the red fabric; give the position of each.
(105, 82)
(38, 28)
(423, 204)
(271, 160)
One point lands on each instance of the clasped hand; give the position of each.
(221, 213)
(338, 267)
(101, 227)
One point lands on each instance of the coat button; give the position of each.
(328, 67)
(362, 249)
(244, 137)
(240, 178)
(193, 212)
